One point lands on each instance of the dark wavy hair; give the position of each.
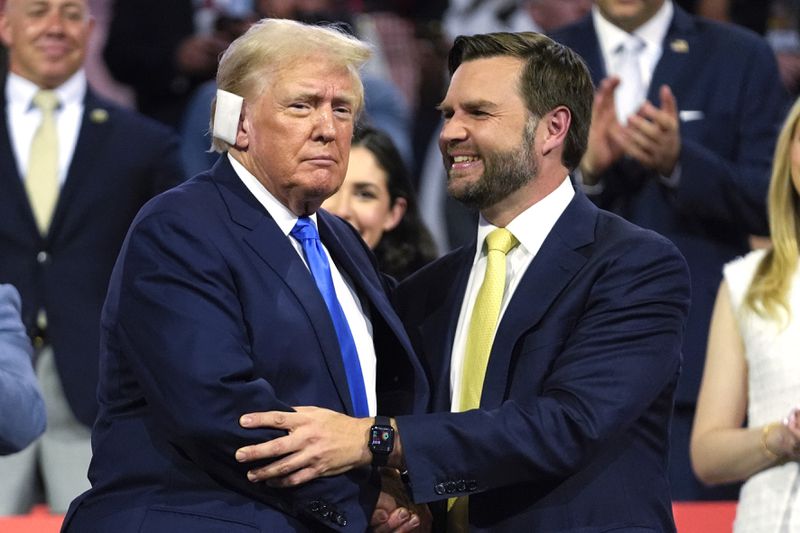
(409, 246)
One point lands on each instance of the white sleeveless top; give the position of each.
(769, 501)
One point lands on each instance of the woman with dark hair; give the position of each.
(378, 200)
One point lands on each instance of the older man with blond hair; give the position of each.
(234, 293)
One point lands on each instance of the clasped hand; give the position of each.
(651, 136)
(321, 442)
(786, 440)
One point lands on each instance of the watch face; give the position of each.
(381, 439)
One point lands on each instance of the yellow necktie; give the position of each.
(42, 179)
(482, 327)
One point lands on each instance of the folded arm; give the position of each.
(622, 355)
(182, 329)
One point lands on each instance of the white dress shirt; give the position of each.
(652, 33)
(23, 118)
(531, 228)
(357, 317)
(611, 37)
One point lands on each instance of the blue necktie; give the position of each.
(306, 233)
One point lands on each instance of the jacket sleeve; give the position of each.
(181, 329)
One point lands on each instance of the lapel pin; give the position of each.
(98, 115)
(679, 46)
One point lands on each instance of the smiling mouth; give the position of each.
(463, 161)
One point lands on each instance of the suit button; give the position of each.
(472, 485)
(314, 506)
(461, 486)
(450, 487)
(439, 488)
(339, 519)
(42, 257)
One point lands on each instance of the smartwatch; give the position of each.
(381, 440)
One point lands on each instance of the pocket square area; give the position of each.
(690, 114)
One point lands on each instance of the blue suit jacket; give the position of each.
(121, 160)
(211, 313)
(22, 415)
(572, 430)
(726, 83)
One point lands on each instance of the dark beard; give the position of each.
(504, 173)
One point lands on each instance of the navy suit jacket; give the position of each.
(726, 83)
(121, 160)
(572, 430)
(211, 313)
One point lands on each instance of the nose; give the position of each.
(324, 127)
(55, 21)
(453, 131)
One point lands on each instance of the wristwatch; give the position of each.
(381, 440)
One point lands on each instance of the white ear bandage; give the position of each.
(226, 116)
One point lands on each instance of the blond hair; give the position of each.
(272, 44)
(768, 293)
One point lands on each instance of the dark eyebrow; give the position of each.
(478, 104)
(470, 105)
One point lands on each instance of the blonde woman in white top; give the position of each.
(752, 370)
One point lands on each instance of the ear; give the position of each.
(91, 23)
(396, 214)
(556, 124)
(5, 31)
(243, 133)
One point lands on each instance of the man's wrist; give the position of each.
(396, 458)
(381, 440)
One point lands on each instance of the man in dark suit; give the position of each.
(72, 179)
(217, 306)
(692, 163)
(554, 352)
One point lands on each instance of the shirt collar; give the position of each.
(282, 215)
(20, 91)
(532, 226)
(651, 32)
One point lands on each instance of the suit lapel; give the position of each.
(92, 137)
(554, 266)
(681, 58)
(11, 179)
(274, 249)
(366, 281)
(356, 265)
(439, 329)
